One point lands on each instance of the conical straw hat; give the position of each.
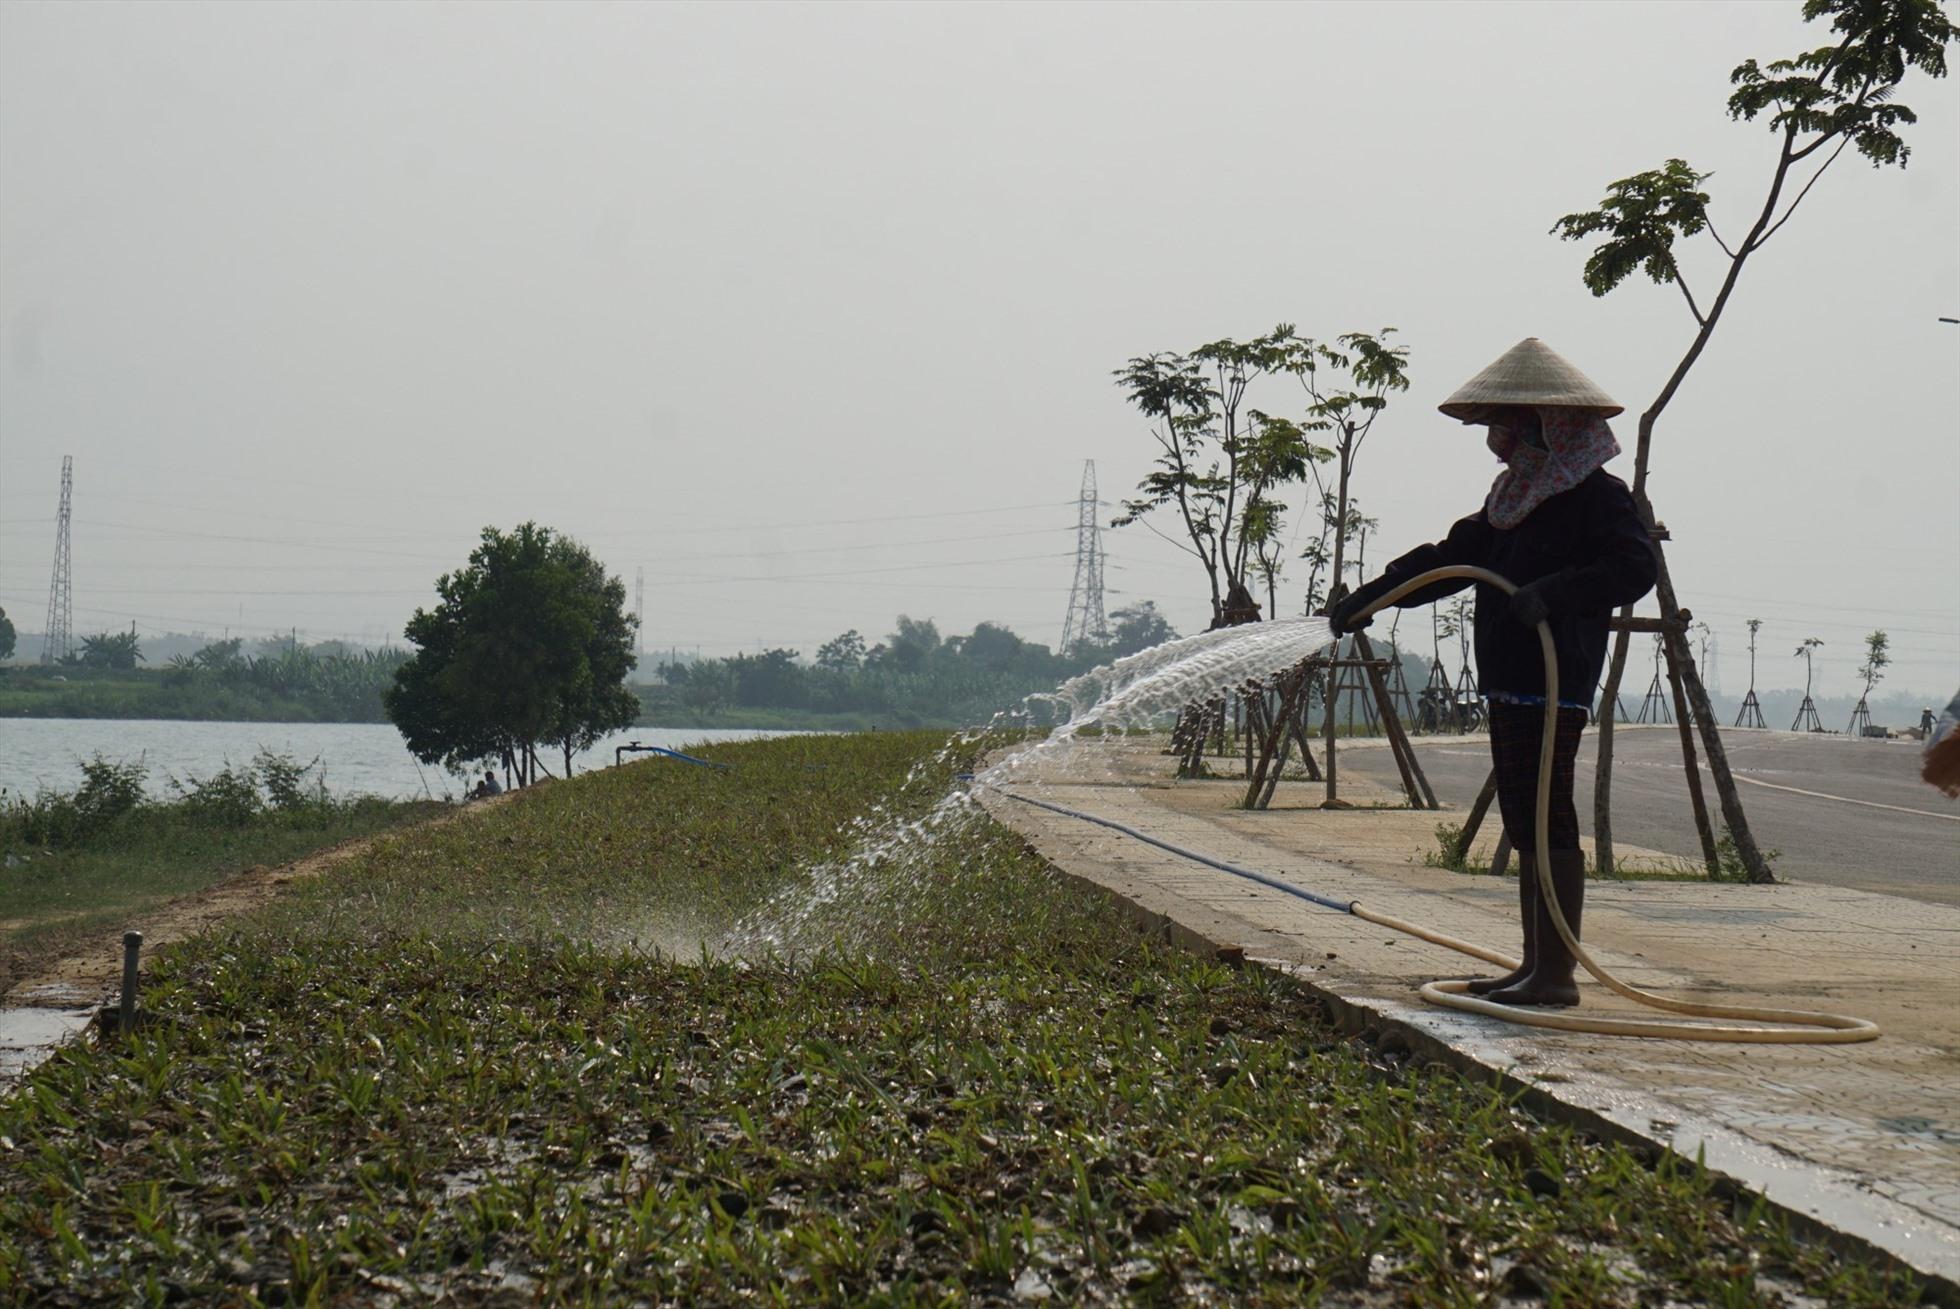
(1530, 373)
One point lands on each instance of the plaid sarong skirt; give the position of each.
(1514, 730)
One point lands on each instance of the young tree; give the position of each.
(529, 644)
(842, 653)
(1347, 386)
(1877, 656)
(1878, 653)
(1818, 103)
(1221, 462)
(1803, 652)
(6, 636)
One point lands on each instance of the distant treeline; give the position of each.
(915, 677)
(327, 684)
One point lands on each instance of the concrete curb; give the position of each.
(1815, 1206)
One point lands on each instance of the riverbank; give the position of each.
(472, 1061)
(151, 695)
(74, 865)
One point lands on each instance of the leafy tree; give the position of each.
(770, 678)
(1878, 654)
(530, 644)
(1221, 463)
(1347, 386)
(1138, 627)
(110, 650)
(992, 646)
(912, 645)
(843, 652)
(1805, 652)
(1816, 103)
(6, 636)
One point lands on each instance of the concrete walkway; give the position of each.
(1863, 1138)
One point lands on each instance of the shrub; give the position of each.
(281, 776)
(227, 798)
(110, 789)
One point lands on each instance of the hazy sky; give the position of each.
(809, 311)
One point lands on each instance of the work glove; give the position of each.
(1340, 618)
(1530, 604)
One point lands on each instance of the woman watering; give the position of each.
(1565, 530)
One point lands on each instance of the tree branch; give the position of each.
(1806, 189)
(1710, 222)
(1689, 296)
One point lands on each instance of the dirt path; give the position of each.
(94, 973)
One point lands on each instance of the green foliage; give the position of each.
(530, 645)
(110, 788)
(1839, 93)
(1878, 655)
(1449, 852)
(1729, 864)
(454, 1072)
(1843, 91)
(1225, 465)
(77, 864)
(227, 798)
(1641, 216)
(1221, 463)
(915, 677)
(109, 650)
(842, 653)
(6, 635)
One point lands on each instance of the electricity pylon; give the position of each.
(60, 642)
(639, 614)
(1086, 620)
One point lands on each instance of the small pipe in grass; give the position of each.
(132, 951)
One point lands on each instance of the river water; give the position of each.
(358, 758)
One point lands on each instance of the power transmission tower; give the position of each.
(60, 642)
(1086, 620)
(639, 614)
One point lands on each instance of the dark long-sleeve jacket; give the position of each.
(1588, 542)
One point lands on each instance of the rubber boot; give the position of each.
(1551, 981)
(1528, 915)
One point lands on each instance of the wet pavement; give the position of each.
(1865, 1138)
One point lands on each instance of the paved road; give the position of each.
(1870, 822)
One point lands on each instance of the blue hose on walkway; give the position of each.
(1249, 874)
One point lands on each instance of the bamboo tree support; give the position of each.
(1861, 719)
(1653, 708)
(1460, 854)
(1703, 714)
(1414, 782)
(1751, 713)
(1710, 853)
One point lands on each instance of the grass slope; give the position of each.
(53, 899)
(448, 1072)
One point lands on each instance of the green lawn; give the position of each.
(488, 1060)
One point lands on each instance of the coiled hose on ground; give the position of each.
(1787, 1026)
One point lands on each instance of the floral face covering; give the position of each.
(1577, 441)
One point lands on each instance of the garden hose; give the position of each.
(1791, 1026)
